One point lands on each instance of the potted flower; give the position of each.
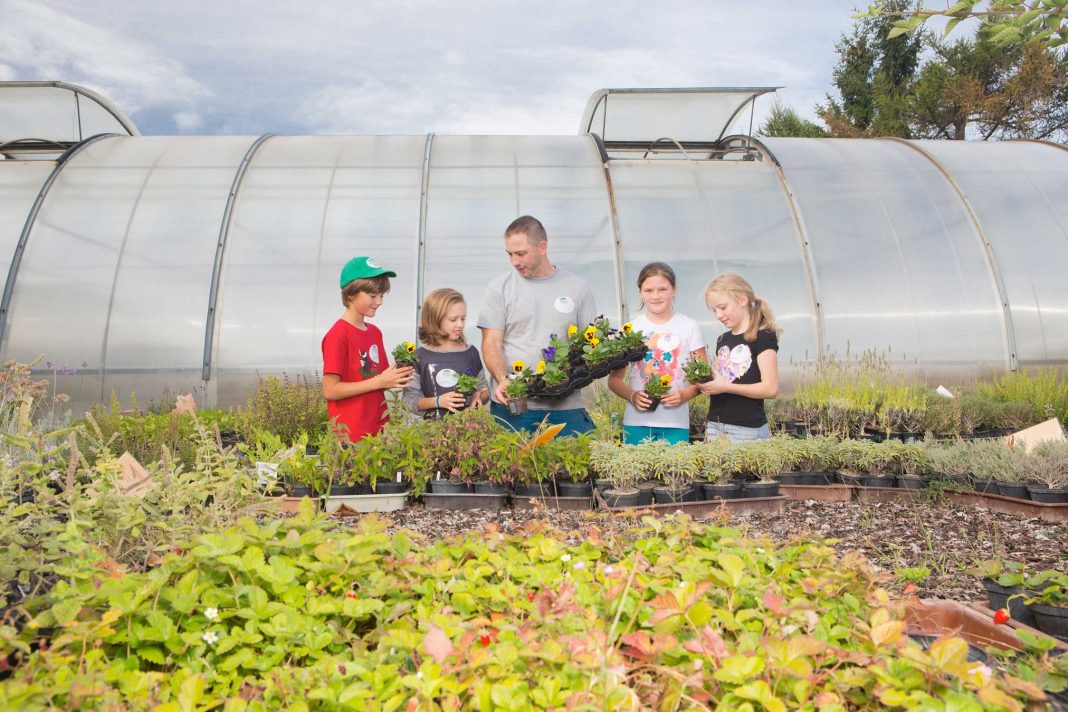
(697, 371)
(1049, 601)
(1004, 584)
(717, 466)
(555, 381)
(1048, 470)
(467, 384)
(572, 470)
(404, 355)
(676, 466)
(517, 387)
(634, 345)
(657, 388)
(855, 461)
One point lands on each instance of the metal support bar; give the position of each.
(1011, 360)
(617, 233)
(420, 245)
(807, 258)
(20, 248)
(220, 252)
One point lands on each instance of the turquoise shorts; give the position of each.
(634, 434)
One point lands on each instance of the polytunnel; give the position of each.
(197, 263)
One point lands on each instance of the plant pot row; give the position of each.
(650, 493)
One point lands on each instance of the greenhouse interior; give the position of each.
(197, 263)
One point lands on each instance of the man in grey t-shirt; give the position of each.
(521, 310)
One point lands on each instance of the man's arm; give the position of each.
(493, 358)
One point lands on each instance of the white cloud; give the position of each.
(188, 121)
(6, 73)
(43, 43)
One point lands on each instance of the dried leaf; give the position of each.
(436, 644)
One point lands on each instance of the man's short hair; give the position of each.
(530, 226)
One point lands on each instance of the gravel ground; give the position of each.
(943, 538)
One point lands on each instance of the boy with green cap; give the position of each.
(356, 373)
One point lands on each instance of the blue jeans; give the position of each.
(736, 433)
(575, 420)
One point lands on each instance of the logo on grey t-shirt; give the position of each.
(564, 305)
(446, 378)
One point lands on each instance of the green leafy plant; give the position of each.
(467, 384)
(697, 371)
(284, 406)
(658, 387)
(404, 354)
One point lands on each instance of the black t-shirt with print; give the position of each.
(735, 361)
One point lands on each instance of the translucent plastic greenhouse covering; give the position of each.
(194, 264)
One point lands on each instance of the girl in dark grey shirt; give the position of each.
(443, 358)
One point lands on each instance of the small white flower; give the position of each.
(565, 558)
(211, 613)
(419, 674)
(580, 565)
(609, 570)
(981, 671)
(210, 637)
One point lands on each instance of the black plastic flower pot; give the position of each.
(517, 406)
(792, 478)
(1046, 495)
(645, 493)
(909, 437)
(602, 484)
(999, 596)
(1052, 620)
(668, 495)
(621, 499)
(574, 489)
(487, 487)
(962, 480)
(655, 403)
(618, 362)
(848, 479)
(1016, 490)
(581, 380)
(910, 482)
(751, 490)
(300, 491)
(636, 355)
(873, 437)
(600, 370)
(535, 489)
(985, 486)
(877, 481)
(818, 478)
(731, 490)
(391, 487)
(447, 487)
(344, 490)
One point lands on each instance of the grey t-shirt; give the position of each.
(528, 311)
(437, 375)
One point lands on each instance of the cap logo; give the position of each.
(372, 263)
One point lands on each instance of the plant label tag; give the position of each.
(135, 480)
(944, 392)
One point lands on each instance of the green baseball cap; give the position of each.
(362, 268)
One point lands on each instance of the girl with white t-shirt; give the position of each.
(672, 339)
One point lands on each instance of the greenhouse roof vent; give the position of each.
(40, 119)
(637, 122)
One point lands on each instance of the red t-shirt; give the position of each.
(354, 355)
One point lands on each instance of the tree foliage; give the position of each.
(783, 121)
(1003, 22)
(891, 83)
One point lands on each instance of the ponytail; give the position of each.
(760, 314)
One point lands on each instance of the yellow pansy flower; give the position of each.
(628, 327)
(590, 333)
(665, 380)
(594, 341)
(409, 347)
(571, 331)
(540, 368)
(518, 366)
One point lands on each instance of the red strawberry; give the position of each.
(1001, 615)
(350, 594)
(530, 595)
(484, 639)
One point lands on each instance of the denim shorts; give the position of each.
(736, 433)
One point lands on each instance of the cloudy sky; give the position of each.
(461, 67)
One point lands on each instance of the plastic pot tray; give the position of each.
(750, 505)
(1011, 505)
(367, 502)
(552, 502)
(466, 500)
(819, 493)
(973, 622)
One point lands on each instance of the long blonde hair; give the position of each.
(760, 315)
(434, 307)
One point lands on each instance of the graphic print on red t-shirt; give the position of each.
(355, 355)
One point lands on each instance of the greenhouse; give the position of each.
(195, 263)
(878, 543)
